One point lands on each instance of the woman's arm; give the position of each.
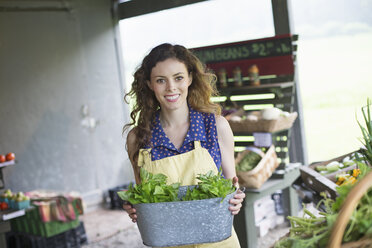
(226, 142)
(131, 138)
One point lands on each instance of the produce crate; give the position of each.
(184, 222)
(31, 223)
(18, 205)
(269, 126)
(72, 238)
(263, 171)
(322, 183)
(115, 201)
(80, 233)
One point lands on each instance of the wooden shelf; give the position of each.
(250, 88)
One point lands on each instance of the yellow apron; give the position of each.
(184, 168)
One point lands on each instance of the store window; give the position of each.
(194, 25)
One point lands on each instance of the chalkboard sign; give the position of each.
(245, 50)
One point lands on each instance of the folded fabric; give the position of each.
(44, 210)
(66, 207)
(59, 208)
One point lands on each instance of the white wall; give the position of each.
(53, 61)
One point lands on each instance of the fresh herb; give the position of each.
(307, 231)
(153, 188)
(314, 231)
(210, 186)
(367, 131)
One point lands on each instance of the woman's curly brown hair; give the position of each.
(145, 105)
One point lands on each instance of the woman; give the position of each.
(179, 132)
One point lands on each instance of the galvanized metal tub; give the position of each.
(185, 222)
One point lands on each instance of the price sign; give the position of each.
(245, 50)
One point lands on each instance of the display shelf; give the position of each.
(7, 163)
(279, 85)
(237, 86)
(11, 214)
(244, 226)
(5, 216)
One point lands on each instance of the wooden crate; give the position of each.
(323, 183)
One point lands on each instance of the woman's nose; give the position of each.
(171, 85)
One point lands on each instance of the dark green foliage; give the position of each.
(210, 186)
(312, 231)
(154, 188)
(249, 162)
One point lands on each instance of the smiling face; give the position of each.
(170, 80)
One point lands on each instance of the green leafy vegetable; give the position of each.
(367, 131)
(210, 186)
(311, 231)
(249, 161)
(153, 188)
(314, 231)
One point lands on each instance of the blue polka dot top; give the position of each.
(202, 128)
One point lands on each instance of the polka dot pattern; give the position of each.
(202, 128)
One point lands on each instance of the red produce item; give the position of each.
(10, 156)
(4, 206)
(2, 158)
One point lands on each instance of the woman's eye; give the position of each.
(160, 80)
(179, 78)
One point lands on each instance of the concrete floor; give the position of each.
(108, 228)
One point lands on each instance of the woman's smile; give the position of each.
(170, 81)
(172, 98)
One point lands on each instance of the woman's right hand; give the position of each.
(131, 211)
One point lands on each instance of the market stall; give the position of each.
(341, 189)
(256, 81)
(39, 218)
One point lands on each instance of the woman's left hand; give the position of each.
(236, 202)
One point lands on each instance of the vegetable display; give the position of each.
(347, 178)
(249, 161)
(314, 231)
(8, 157)
(335, 166)
(154, 188)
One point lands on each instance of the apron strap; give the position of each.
(144, 157)
(197, 144)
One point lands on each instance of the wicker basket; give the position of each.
(268, 126)
(257, 176)
(346, 211)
